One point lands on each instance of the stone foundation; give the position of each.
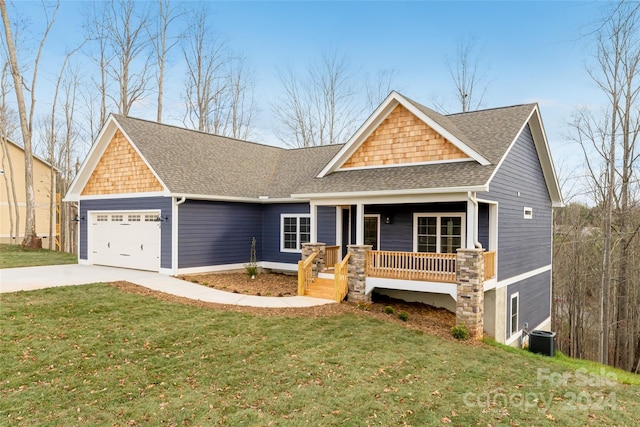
(470, 279)
(358, 273)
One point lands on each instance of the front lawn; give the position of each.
(12, 256)
(95, 355)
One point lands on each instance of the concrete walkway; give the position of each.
(32, 278)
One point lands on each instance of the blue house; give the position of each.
(408, 195)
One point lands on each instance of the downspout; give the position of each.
(472, 199)
(174, 234)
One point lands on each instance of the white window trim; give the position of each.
(527, 213)
(438, 215)
(297, 216)
(517, 296)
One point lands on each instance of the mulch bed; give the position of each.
(431, 320)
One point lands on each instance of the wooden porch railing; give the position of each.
(412, 266)
(489, 265)
(305, 273)
(341, 277)
(331, 256)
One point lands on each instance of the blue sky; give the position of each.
(531, 51)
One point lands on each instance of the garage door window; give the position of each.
(134, 218)
(102, 218)
(150, 218)
(117, 218)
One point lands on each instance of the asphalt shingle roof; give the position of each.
(191, 162)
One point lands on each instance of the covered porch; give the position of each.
(418, 243)
(411, 237)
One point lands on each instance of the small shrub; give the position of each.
(403, 315)
(389, 310)
(252, 271)
(460, 332)
(363, 306)
(194, 280)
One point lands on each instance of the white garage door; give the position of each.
(125, 239)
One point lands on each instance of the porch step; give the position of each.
(321, 288)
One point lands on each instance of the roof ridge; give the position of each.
(312, 147)
(197, 131)
(491, 109)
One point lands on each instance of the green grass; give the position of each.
(12, 256)
(94, 355)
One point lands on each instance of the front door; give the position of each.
(371, 230)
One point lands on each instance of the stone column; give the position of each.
(470, 279)
(318, 262)
(358, 273)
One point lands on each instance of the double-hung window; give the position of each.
(295, 229)
(438, 233)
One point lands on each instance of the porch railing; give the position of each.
(489, 265)
(331, 256)
(412, 266)
(341, 277)
(305, 273)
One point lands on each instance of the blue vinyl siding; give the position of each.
(271, 231)
(327, 225)
(217, 233)
(535, 300)
(398, 235)
(483, 225)
(523, 245)
(130, 204)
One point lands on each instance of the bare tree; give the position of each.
(321, 108)
(379, 87)
(240, 93)
(467, 74)
(26, 116)
(69, 136)
(205, 57)
(8, 118)
(98, 34)
(52, 143)
(125, 28)
(162, 44)
(608, 140)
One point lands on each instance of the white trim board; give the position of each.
(521, 277)
(411, 285)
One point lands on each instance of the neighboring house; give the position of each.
(414, 185)
(14, 156)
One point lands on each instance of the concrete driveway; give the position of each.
(32, 278)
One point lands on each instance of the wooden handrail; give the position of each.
(331, 256)
(412, 266)
(489, 265)
(305, 273)
(341, 278)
